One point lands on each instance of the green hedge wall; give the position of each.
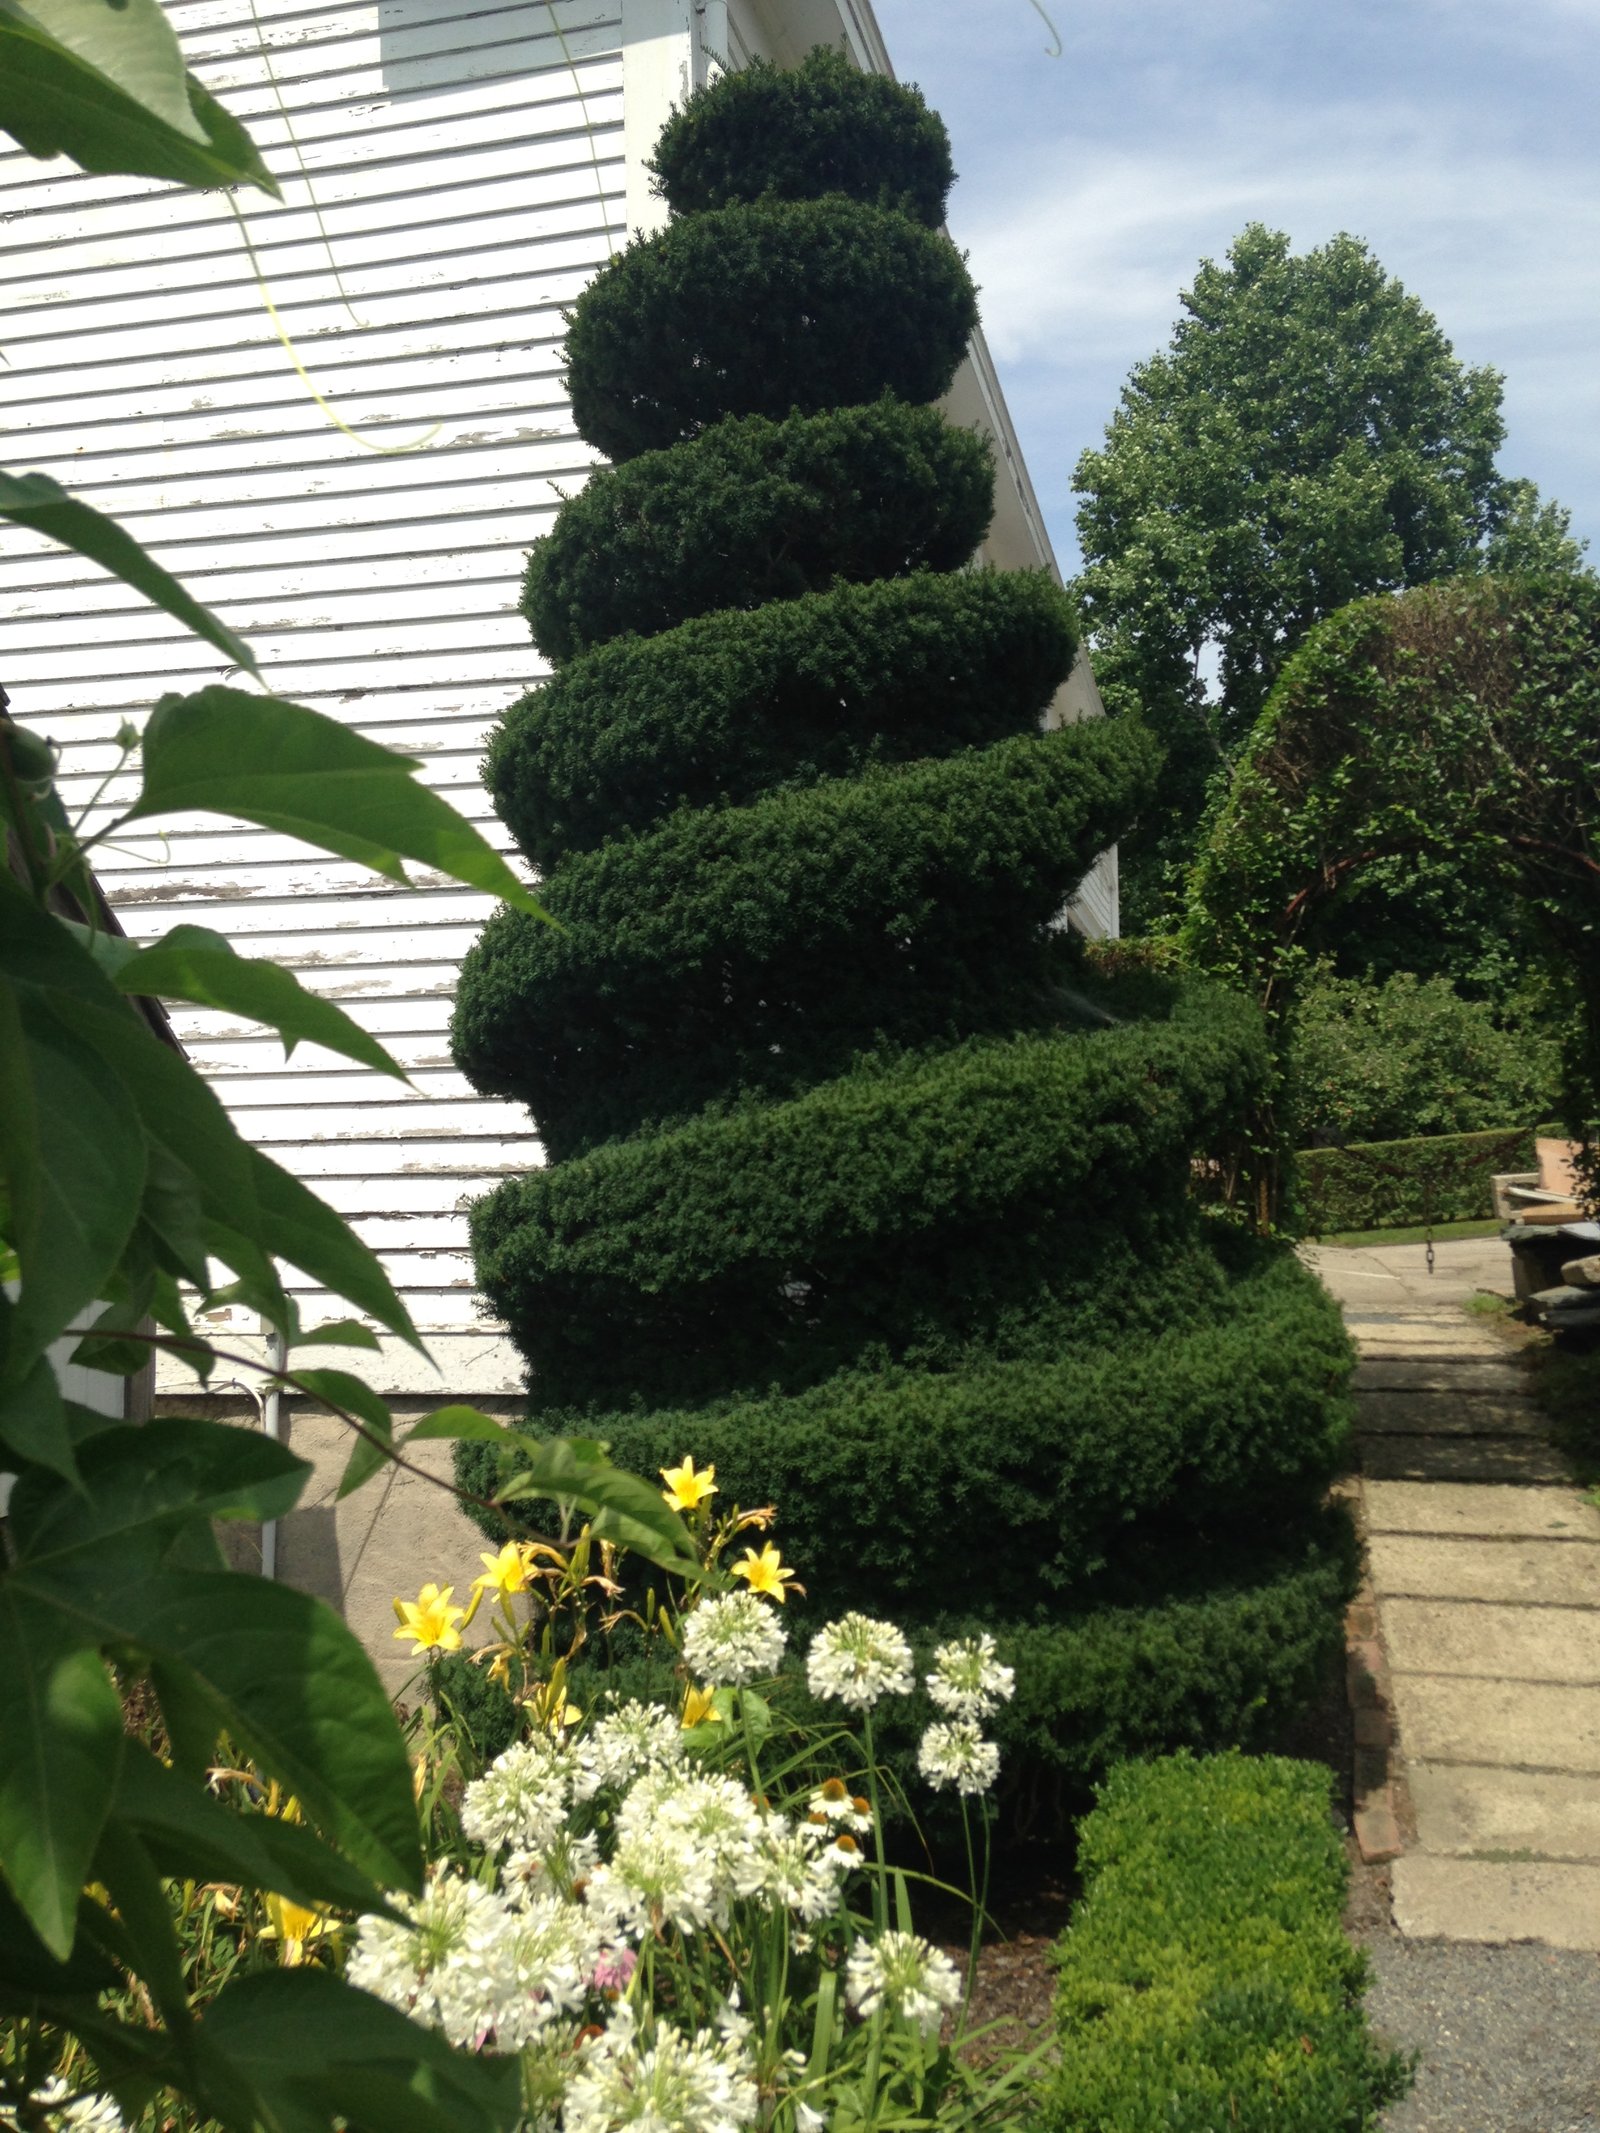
(1393, 1184)
(1207, 1985)
(740, 308)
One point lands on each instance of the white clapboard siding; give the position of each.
(463, 165)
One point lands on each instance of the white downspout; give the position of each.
(272, 1423)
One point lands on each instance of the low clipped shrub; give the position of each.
(756, 510)
(741, 308)
(1393, 1184)
(1206, 1983)
(826, 127)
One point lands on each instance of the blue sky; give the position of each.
(1459, 138)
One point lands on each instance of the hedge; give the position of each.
(1206, 1982)
(756, 510)
(1391, 1184)
(824, 127)
(900, 906)
(757, 309)
(727, 705)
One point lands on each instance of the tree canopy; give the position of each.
(1308, 437)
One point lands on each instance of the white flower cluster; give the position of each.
(967, 1679)
(464, 1960)
(83, 2114)
(662, 2083)
(733, 1639)
(957, 1754)
(633, 1738)
(858, 1660)
(686, 1848)
(903, 1973)
(520, 1803)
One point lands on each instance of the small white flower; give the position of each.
(799, 1875)
(564, 1862)
(956, 1753)
(834, 1807)
(633, 1737)
(732, 1639)
(967, 1679)
(807, 2120)
(663, 2083)
(441, 1965)
(857, 1660)
(901, 1972)
(85, 2114)
(520, 1801)
(545, 1956)
(686, 1848)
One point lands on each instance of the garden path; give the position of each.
(1476, 1656)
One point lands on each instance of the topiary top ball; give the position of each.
(821, 127)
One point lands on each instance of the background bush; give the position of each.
(1207, 1985)
(1393, 1184)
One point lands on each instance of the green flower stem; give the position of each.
(880, 1900)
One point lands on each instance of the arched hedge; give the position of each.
(862, 1184)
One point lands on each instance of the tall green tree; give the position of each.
(1307, 437)
(852, 1194)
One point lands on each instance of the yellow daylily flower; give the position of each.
(293, 1926)
(766, 1572)
(699, 1708)
(509, 1571)
(429, 1620)
(685, 1489)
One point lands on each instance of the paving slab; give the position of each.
(1528, 1573)
(1465, 1809)
(1432, 1507)
(1521, 1460)
(1537, 1725)
(1443, 1374)
(1446, 1898)
(1510, 1643)
(1463, 1412)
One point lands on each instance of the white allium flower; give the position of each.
(471, 1965)
(799, 1874)
(967, 1679)
(444, 1966)
(807, 2120)
(633, 1737)
(664, 2083)
(564, 1862)
(686, 1847)
(857, 1660)
(732, 1639)
(85, 2114)
(956, 1753)
(903, 1973)
(520, 1801)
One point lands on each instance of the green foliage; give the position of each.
(732, 703)
(822, 127)
(762, 309)
(1307, 438)
(1206, 1979)
(1459, 723)
(1409, 1058)
(753, 511)
(1386, 1184)
(908, 904)
(862, 1182)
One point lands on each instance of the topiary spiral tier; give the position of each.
(860, 1185)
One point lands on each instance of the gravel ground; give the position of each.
(1509, 2037)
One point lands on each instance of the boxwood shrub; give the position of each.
(1206, 1983)
(1445, 1177)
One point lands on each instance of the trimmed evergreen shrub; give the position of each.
(863, 1182)
(1446, 1177)
(741, 308)
(824, 128)
(1206, 1980)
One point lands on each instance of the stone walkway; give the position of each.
(1484, 1654)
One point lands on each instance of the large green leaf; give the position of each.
(191, 963)
(320, 2054)
(340, 1389)
(127, 1873)
(130, 43)
(33, 1421)
(223, 751)
(37, 501)
(61, 1743)
(28, 1971)
(620, 1506)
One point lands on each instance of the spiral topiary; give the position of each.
(861, 1183)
